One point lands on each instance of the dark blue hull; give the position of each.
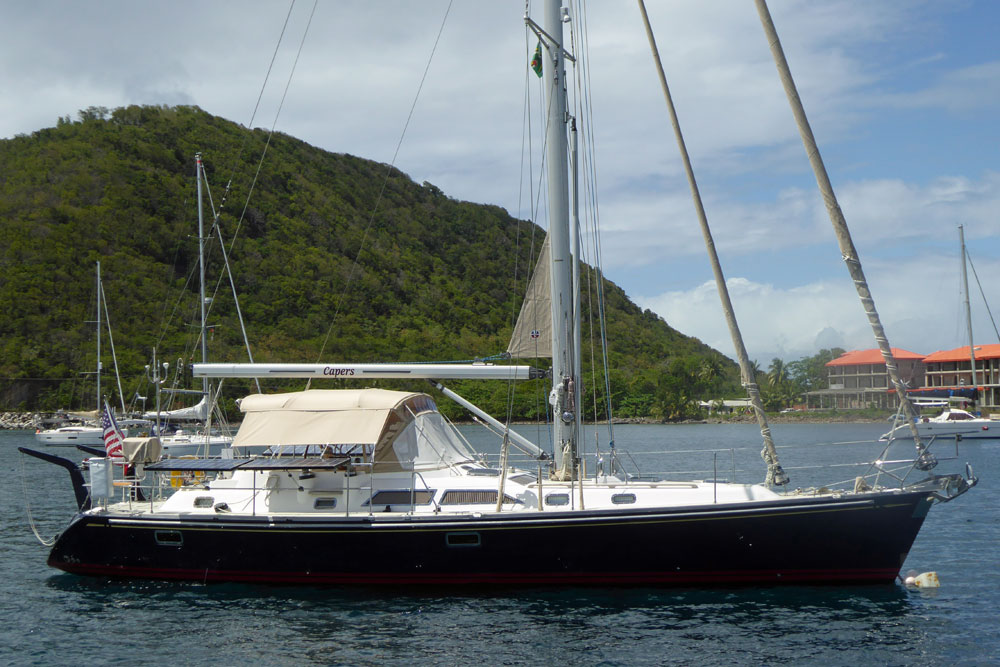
(857, 539)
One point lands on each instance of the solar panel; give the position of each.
(256, 463)
(196, 464)
(293, 463)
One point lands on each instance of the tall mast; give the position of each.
(563, 352)
(201, 269)
(968, 308)
(98, 337)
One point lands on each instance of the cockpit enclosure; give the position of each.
(400, 430)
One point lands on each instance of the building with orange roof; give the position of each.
(859, 379)
(952, 369)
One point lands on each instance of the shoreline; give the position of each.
(771, 419)
(11, 421)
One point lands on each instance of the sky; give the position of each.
(902, 95)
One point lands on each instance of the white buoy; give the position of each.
(925, 580)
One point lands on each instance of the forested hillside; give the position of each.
(434, 279)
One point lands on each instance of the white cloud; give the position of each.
(919, 301)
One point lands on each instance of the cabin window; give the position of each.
(463, 539)
(557, 499)
(484, 497)
(204, 501)
(623, 498)
(402, 497)
(324, 503)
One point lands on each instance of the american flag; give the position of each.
(112, 434)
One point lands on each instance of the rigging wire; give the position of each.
(253, 115)
(385, 181)
(982, 293)
(256, 176)
(527, 151)
(274, 122)
(184, 290)
(525, 138)
(586, 111)
(229, 272)
(111, 340)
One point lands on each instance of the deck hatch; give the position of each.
(475, 497)
(402, 497)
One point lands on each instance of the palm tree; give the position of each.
(777, 376)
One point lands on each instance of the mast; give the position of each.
(205, 387)
(968, 308)
(201, 268)
(925, 460)
(98, 338)
(564, 384)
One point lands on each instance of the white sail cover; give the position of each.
(405, 428)
(195, 413)
(532, 337)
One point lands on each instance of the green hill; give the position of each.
(434, 279)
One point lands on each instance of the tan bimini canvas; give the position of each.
(317, 417)
(398, 424)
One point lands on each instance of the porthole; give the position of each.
(204, 501)
(623, 498)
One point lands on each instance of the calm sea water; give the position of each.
(47, 617)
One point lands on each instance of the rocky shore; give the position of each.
(20, 420)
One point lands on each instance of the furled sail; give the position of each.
(532, 337)
(197, 412)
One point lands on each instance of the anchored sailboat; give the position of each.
(92, 434)
(203, 441)
(369, 486)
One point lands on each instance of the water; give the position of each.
(47, 617)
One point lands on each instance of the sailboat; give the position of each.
(90, 434)
(376, 487)
(176, 441)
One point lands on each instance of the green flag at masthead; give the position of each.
(536, 61)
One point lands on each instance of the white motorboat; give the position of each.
(951, 423)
